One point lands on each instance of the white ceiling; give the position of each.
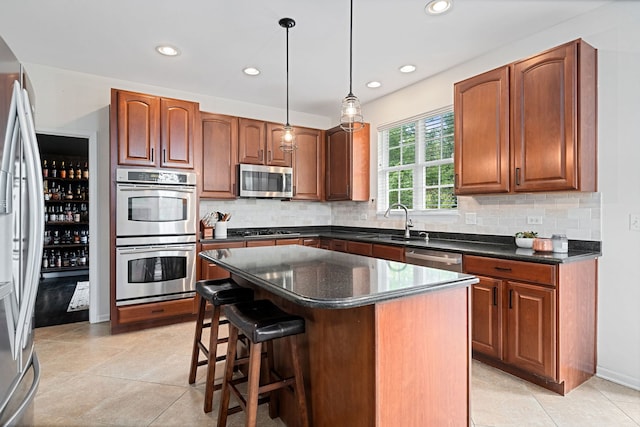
(218, 38)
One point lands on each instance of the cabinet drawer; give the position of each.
(313, 242)
(339, 245)
(393, 253)
(155, 310)
(359, 248)
(256, 243)
(508, 269)
(281, 242)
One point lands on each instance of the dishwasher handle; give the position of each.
(445, 260)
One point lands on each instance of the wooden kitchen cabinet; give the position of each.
(338, 245)
(554, 120)
(481, 157)
(308, 165)
(359, 248)
(535, 321)
(259, 143)
(388, 252)
(347, 167)
(219, 157)
(153, 131)
(529, 126)
(209, 270)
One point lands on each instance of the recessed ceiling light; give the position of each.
(436, 7)
(167, 50)
(407, 68)
(251, 71)
(374, 84)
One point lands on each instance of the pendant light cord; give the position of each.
(287, 76)
(351, 50)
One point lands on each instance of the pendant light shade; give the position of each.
(288, 142)
(351, 119)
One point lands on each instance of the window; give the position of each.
(415, 163)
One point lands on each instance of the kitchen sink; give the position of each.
(409, 239)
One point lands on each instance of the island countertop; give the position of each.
(321, 278)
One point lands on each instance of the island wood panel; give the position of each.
(391, 253)
(422, 360)
(577, 322)
(400, 362)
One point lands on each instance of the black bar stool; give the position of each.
(217, 293)
(261, 321)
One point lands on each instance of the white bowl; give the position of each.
(524, 242)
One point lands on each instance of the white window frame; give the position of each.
(418, 168)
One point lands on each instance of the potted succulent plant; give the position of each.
(524, 239)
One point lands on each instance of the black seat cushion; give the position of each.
(261, 320)
(223, 291)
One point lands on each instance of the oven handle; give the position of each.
(137, 250)
(137, 187)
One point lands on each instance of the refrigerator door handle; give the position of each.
(36, 219)
(31, 394)
(6, 291)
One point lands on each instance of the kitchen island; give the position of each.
(386, 343)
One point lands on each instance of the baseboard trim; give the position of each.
(618, 378)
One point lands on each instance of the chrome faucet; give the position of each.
(407, 220)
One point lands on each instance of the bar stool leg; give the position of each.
(299, 383)
(211, 364)
(273, 396)
(228, 375)
(255, 356)
(198, 335)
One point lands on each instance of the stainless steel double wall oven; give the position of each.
(156, 223)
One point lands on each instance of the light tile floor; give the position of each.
(93, 378)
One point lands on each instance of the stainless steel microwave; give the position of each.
(265, 181)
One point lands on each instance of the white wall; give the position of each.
(615, 31)
(78, 103)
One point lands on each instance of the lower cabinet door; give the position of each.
(486, 304)
(531, 328)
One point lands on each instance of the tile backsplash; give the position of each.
(578, 215)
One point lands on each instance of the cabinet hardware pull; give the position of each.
(164, 155)
(503, 268)
(517, 176)
(159, 310)
(261, 155)
(510, 298)
(495, 295)
(152, 154)
(455, 180)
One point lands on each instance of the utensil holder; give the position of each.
(220, 231)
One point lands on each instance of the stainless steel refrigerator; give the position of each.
(21, 240)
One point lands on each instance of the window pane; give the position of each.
(431, 175)
(406, 198)
(446, 174)
(406, 179)
(447, 147)
(394, 157)
(432, 151)
(431, 198)
(394, 137)
(409, 154)
(409, 133)
(448, 199)
(393, 197)
(394, 180)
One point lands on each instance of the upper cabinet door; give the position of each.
(338, 174)
(481, 108)
(138, 121)
(554, 120)
(178, 121)
(251, 137)
(274, 155)
(308, 165)
(219, 156)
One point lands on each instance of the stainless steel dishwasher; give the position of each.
(435, 259)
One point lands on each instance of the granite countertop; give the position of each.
(468, 244)
(322, 278)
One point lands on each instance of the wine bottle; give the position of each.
(63, 171)
(45, 169)
(78, 171)
(72, 172)
(54, 169)
(85, 171)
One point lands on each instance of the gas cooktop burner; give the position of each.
(265, 232)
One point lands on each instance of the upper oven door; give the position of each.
(152, 210)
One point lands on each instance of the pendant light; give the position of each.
(288, 142)
(351, 114)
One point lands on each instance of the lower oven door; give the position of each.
(154, 273)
